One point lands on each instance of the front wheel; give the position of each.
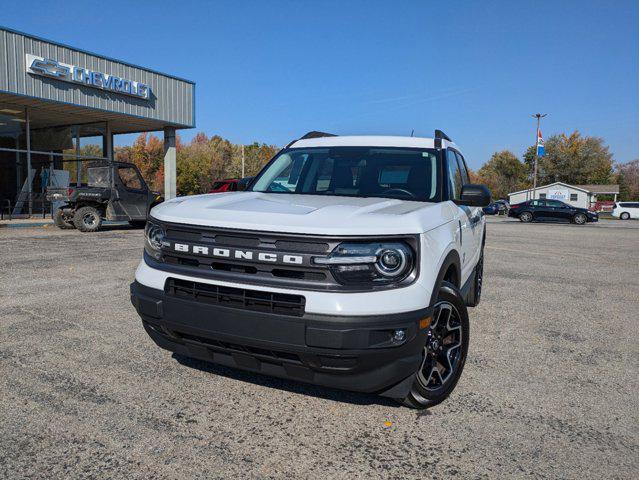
(62, 221)
(579, 219)
(444, 353)
(624, 216)
(87, 219)
(526, 217)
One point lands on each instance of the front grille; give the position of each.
(305, 275)
(240, 298)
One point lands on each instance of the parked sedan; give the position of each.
(551, 210)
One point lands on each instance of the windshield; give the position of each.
(401, 173)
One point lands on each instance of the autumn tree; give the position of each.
(628, 179)
(503, 173)
(573, 159)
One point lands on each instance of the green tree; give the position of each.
(573, 159)
(503, 173)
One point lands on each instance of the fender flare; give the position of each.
(451, 258)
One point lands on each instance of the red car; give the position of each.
(229, 185)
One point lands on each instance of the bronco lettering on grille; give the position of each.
(238, 254)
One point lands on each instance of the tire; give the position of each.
(62, 221)
(624, 216)
(579, 219)
(526, 217)
(478, 281)
(87, 219)
(450, 324)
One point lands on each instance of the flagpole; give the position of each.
(538, 116)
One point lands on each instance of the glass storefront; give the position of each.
(56, 155)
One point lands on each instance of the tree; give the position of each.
(573, 159)
(199, 163)
(147, 153)
(503, 173)
(628, 179)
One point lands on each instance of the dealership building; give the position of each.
(60, 108)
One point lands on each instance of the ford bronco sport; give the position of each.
(348, 262)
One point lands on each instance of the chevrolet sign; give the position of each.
(84, 76)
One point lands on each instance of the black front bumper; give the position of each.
(347, 352)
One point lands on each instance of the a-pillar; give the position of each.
(170, 176)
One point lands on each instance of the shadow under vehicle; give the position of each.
(115, 191)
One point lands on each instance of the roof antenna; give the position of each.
(412, 131)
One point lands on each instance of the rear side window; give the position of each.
(130, 178)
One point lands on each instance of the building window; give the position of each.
(542, 195)
(573, 197)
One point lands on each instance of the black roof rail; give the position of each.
(439, 136)
(316, 134)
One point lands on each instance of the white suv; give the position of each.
(348, 262)
(626, 210)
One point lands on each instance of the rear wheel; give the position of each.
(478, 281)
(624, 216)
(87, 219)
(579, 219)
(62, 221)
(444, 354)
(526, 217)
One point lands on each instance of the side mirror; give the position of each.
(244, 183)
(474, 195)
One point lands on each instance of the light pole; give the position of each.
(538, 116)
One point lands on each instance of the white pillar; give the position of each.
(170, 175)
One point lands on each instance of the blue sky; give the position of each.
(269, 71)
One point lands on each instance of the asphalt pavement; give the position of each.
(550, 389)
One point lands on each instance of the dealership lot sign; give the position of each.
(84, 76)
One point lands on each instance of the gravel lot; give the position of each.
(550, 390)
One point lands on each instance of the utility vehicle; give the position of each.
(114, 191)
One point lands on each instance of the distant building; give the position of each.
(583, 196)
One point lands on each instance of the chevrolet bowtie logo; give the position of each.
(50, 67)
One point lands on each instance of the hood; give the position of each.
(313, 214)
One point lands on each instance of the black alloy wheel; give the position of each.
(479, 279)
(444, 353)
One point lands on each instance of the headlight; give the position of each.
(368, 264)
(154, 240)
